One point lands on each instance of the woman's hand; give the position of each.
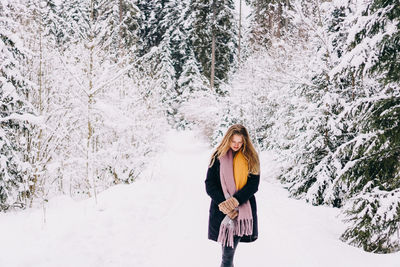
(233, 214)
(228, 205)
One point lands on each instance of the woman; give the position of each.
(232, 180)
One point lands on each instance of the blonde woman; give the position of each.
(232, 180)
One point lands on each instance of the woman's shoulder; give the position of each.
(254, 175)
(214, 162)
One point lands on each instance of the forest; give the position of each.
(89, 88)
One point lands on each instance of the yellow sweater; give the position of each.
(240, 170)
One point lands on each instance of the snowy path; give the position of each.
(162, 221)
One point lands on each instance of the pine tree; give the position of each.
(15, 113)
(120, 27)
(191, 80)
(225, 30)
(373, 180)
(347, 159)
(165, 48)
(75, 19)
(269, 19)
(309, 106)
(151, 31)
(193, 86)
(371, 166)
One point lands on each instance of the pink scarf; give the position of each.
(243, 223)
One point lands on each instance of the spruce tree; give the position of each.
(151, 31)
(15, 114)
(371, 168)
(165, 49)
(119, 20)
(74, 18)
(269, 19)
(350, 156)
(225, 30)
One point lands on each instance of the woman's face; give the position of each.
(236, 142)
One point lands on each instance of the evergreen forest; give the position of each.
(88, 89)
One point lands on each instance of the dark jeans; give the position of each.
(228, 253)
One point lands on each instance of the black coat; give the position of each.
(214, 190)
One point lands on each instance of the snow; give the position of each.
(161, 220)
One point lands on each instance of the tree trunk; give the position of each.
(36, 160)
(240, 28)
(353, 86)
(89, 143)
(270, 19)
(120, 23)
(279, 20)
(121, 49)
(258, 11)
(213, 47)
(286, 16)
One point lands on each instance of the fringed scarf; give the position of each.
(233, 176)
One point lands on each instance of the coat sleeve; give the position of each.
(213, 184)
(249, 189)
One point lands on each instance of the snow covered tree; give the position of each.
(371, 166)
(225, 31)
(176, 41)
(40, 26)
(16, 113)
(347, 156)
(295, 87)
(74, 18)
(165, 50)
(372, 177)
(269, 19)
(191, 80)
(120, 34)
(97, 85)
(151, 33)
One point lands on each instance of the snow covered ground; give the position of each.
(161, 220)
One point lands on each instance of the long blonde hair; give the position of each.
(247, 148)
